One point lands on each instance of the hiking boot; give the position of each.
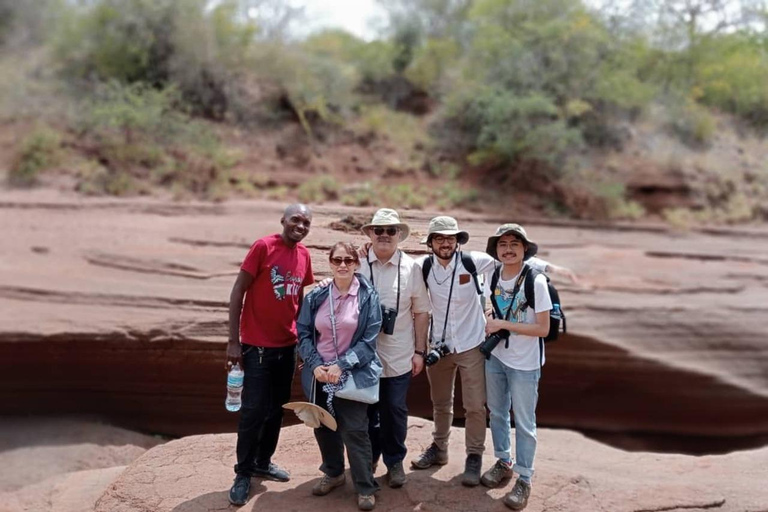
(238, 494)
(497, 474)
(431, 456)
(518, 498)
(273, 472)
(396, 475)
(366, 502)
(472, 468)
(327, 484)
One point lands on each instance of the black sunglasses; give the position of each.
(338, 260)
(390, 231)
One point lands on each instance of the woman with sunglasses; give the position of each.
(337, 329)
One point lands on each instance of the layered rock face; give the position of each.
(119, 307)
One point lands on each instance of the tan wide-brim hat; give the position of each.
(385, 218)
(312, 415)
(444, 225)
(511, 229)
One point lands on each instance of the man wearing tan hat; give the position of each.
(403, 339)
(457, 331)
(514, 366)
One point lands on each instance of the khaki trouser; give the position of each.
(442, 383)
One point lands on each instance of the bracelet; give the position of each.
(419, 352)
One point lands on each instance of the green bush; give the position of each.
(39, 151)
(142, 140)
(372, 60)
(508, 128)
(318, 190)
(316, 88)
(365, 194)
(455, 194)
(159, 42)
(733, 78)
(432, 64)
(133, 111)
(691, 123)
(404, 130)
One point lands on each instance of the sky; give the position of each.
(356, 16)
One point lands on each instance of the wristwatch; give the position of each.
(420, 352)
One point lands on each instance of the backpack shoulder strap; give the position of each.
(530, 294)
(495, 278)
(494, 282)
(469, 264)
(425, 268)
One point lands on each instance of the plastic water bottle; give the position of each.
(556, 311)
(234, 389)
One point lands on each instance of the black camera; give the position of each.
(487, 346)
(435, 353)
(388, 318)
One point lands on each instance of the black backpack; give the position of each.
(556, 314)
(466, 260)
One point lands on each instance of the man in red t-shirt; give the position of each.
(262, 339)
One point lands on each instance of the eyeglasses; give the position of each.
(337, 261)
(390, 231)
(440, 240)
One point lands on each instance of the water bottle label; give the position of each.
(235, 381)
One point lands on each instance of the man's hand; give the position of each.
(362, 252)
(333, 373)
(321, 374)
(494, 325)
(234, 355)
(564, 272)
(417, 364)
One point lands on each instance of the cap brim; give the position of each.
(324, 416)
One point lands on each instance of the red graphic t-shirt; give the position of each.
(280, 273)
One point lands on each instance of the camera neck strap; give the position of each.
(448, 307)
(496, 309)
(399, 261)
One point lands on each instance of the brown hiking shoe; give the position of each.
(518, 498)
(366, 502)
(327, 484)
(396, 475)
(472, 468)
(497, 474)
(431, 456)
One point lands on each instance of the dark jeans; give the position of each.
(267, 386)
(388, 420)
(352, 434)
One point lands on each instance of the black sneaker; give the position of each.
(472, 468)
(518, 498)
(273, 472)
(238, 494)
(396, 475)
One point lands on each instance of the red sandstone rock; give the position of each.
(574, 474)
(62, 465)
(121, 307)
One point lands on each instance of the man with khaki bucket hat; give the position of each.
(457, 331)
(402, 340)
(514, 366)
